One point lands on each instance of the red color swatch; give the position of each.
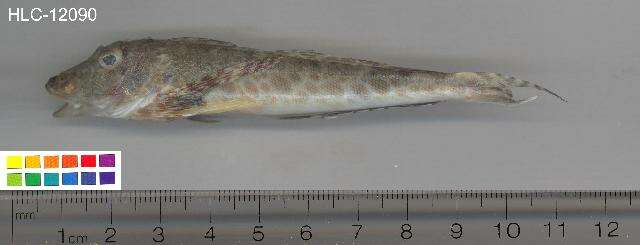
(69, 161)
(88, 161)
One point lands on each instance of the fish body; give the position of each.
(194, 77)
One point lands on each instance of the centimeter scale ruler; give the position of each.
(319, 217)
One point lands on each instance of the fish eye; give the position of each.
(109, 59)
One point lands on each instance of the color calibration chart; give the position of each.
(61, 170)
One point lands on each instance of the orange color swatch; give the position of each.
(69, 161)
(51, 162)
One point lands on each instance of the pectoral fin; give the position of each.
(207, 113)
(214, 107)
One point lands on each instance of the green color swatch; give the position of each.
(32, 179)
(14, 179)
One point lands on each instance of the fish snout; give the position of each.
(50, 84)
(59, 86)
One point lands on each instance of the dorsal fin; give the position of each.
(311, 54)
(204, 41)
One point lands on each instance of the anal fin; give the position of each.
(203, 118)
(335, 114)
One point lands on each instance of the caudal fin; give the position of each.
(497, 88)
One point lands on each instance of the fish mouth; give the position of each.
(50, 86)
(60, 111)
(70, 110)
(58, 96)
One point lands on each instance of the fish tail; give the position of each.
(497, 88)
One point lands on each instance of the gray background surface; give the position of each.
(588, 51)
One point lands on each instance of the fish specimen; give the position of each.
(197, 78)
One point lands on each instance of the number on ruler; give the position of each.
(513, 230)
(456, 230)
(110, 232)
(357, 231)
(305, 232)
(158, 233)
(548, 226)
(258, 235)
(613, 229)
(406, 231)
(209, 234)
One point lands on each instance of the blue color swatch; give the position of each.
(88, 178)
(70, 178)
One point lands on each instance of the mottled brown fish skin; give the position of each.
(184, 77)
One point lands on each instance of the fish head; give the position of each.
(109, 79)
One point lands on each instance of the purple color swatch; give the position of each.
(107, 160)
(107, 178)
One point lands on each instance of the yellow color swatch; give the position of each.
(32, 161)
(14, 162)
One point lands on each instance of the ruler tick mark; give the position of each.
(358, 210)
(605, 204)
(12, 220)
(531, 201)
(210, 212)
(333, 201)
(580, 197)
(407, 208)
(506, 208)
(111, 213)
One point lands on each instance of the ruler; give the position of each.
(319, 217)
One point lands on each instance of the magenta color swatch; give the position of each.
(107, 160)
